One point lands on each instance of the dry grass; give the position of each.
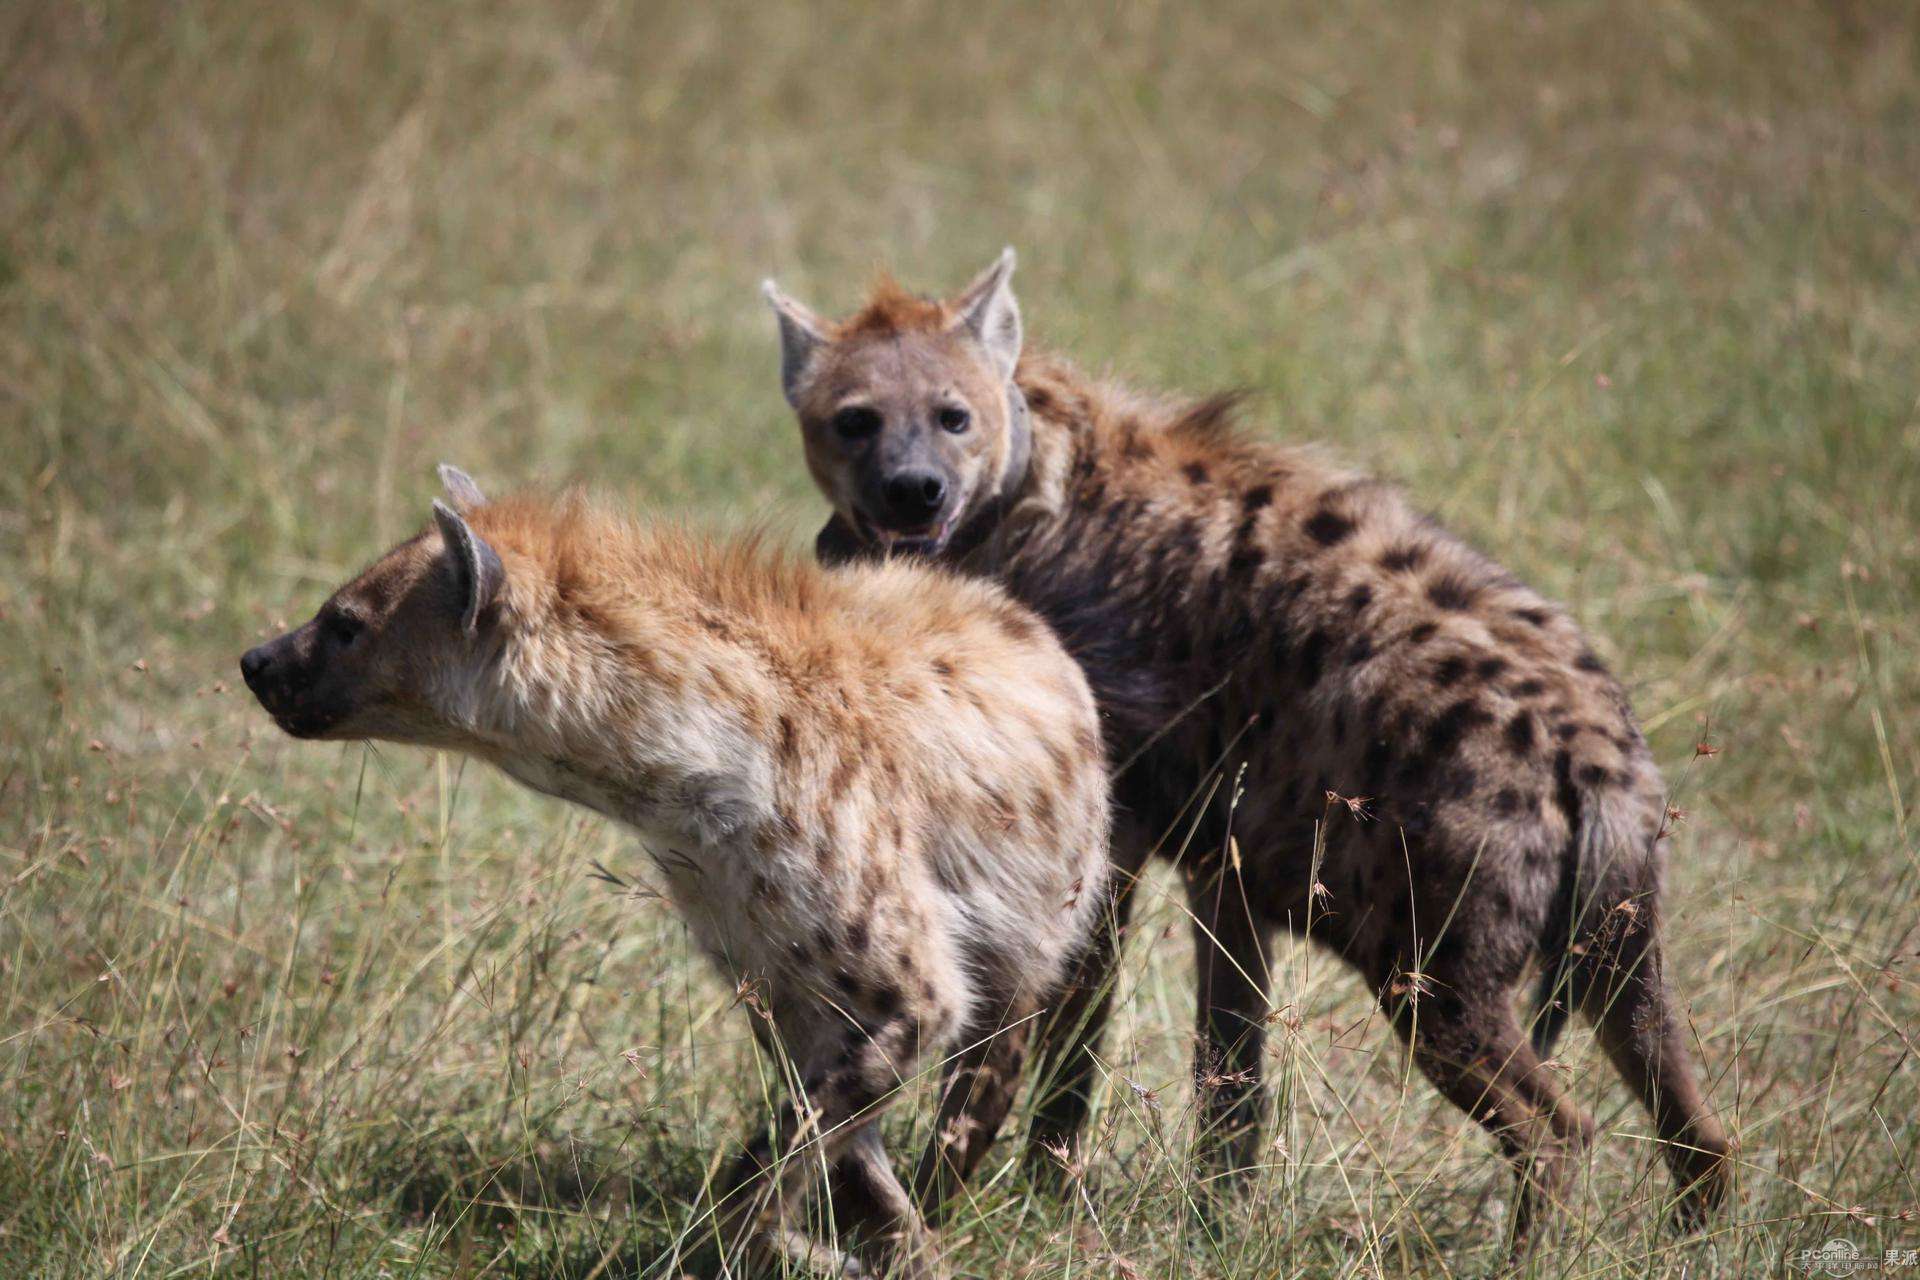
(1632, 298)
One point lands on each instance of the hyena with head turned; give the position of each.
(1239, 606)
(879, 798)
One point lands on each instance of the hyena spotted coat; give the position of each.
(1243, 606)
(878, 797)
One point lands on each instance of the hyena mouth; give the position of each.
(928, 540)
(297, 720)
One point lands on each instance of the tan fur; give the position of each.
(1239, 606)
(878, 796)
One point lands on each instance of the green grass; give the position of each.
(1632, 298)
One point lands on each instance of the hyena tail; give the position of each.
(1603, 957)
(1606, 862)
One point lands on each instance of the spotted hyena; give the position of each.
(1239, 606)
(878, 798)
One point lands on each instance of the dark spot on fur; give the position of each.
(1564, 793)
(1532, 617)
(1257, 497)
(943, 872)
(1196, 472)
(1313, 653)
(1360, 650)
(1359, 598)
(884, 1000)
(1488, 668)
(1450, 591)
(1375, 764)
(1449, 671)
(1455, 781)
(844, 771)
(1520, 733)
(1422, 633)
(858, 935)
(1328, 528)
(1451, 725)
(1589, 661)
(943, 668)
(1506, 802)
(1566, 731)
(1529, 688)
(1402, 558)
(1594, 775)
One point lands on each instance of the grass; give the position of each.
(1631, 297)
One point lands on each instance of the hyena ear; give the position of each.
(988, 309)
(461, 489)
(801, 334)
(476, 570)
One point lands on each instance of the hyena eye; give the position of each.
(953, 418)
(343, 630)
(856, 423)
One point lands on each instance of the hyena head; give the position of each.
(386, 649)
(911, 420)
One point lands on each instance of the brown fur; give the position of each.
(878, 797)
(1241, 606)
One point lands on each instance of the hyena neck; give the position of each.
(1054, 409)
(569, 712)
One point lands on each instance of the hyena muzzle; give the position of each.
(1241, 607)
(878, 798)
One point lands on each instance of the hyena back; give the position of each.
(1241, 606)
(878, 798)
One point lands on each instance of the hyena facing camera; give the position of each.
(1238, 606)
(879, 796)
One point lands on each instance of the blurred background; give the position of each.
(1629, 294)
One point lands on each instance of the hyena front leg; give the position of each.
(1231, 954)
(892, 1225)
(835, 1123)
(975, 1097)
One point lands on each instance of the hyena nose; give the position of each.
(254, 663)
(914, 497)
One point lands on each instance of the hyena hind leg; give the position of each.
(1474, 1052)
(1622, 989)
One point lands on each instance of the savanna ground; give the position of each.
(1630, 297)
